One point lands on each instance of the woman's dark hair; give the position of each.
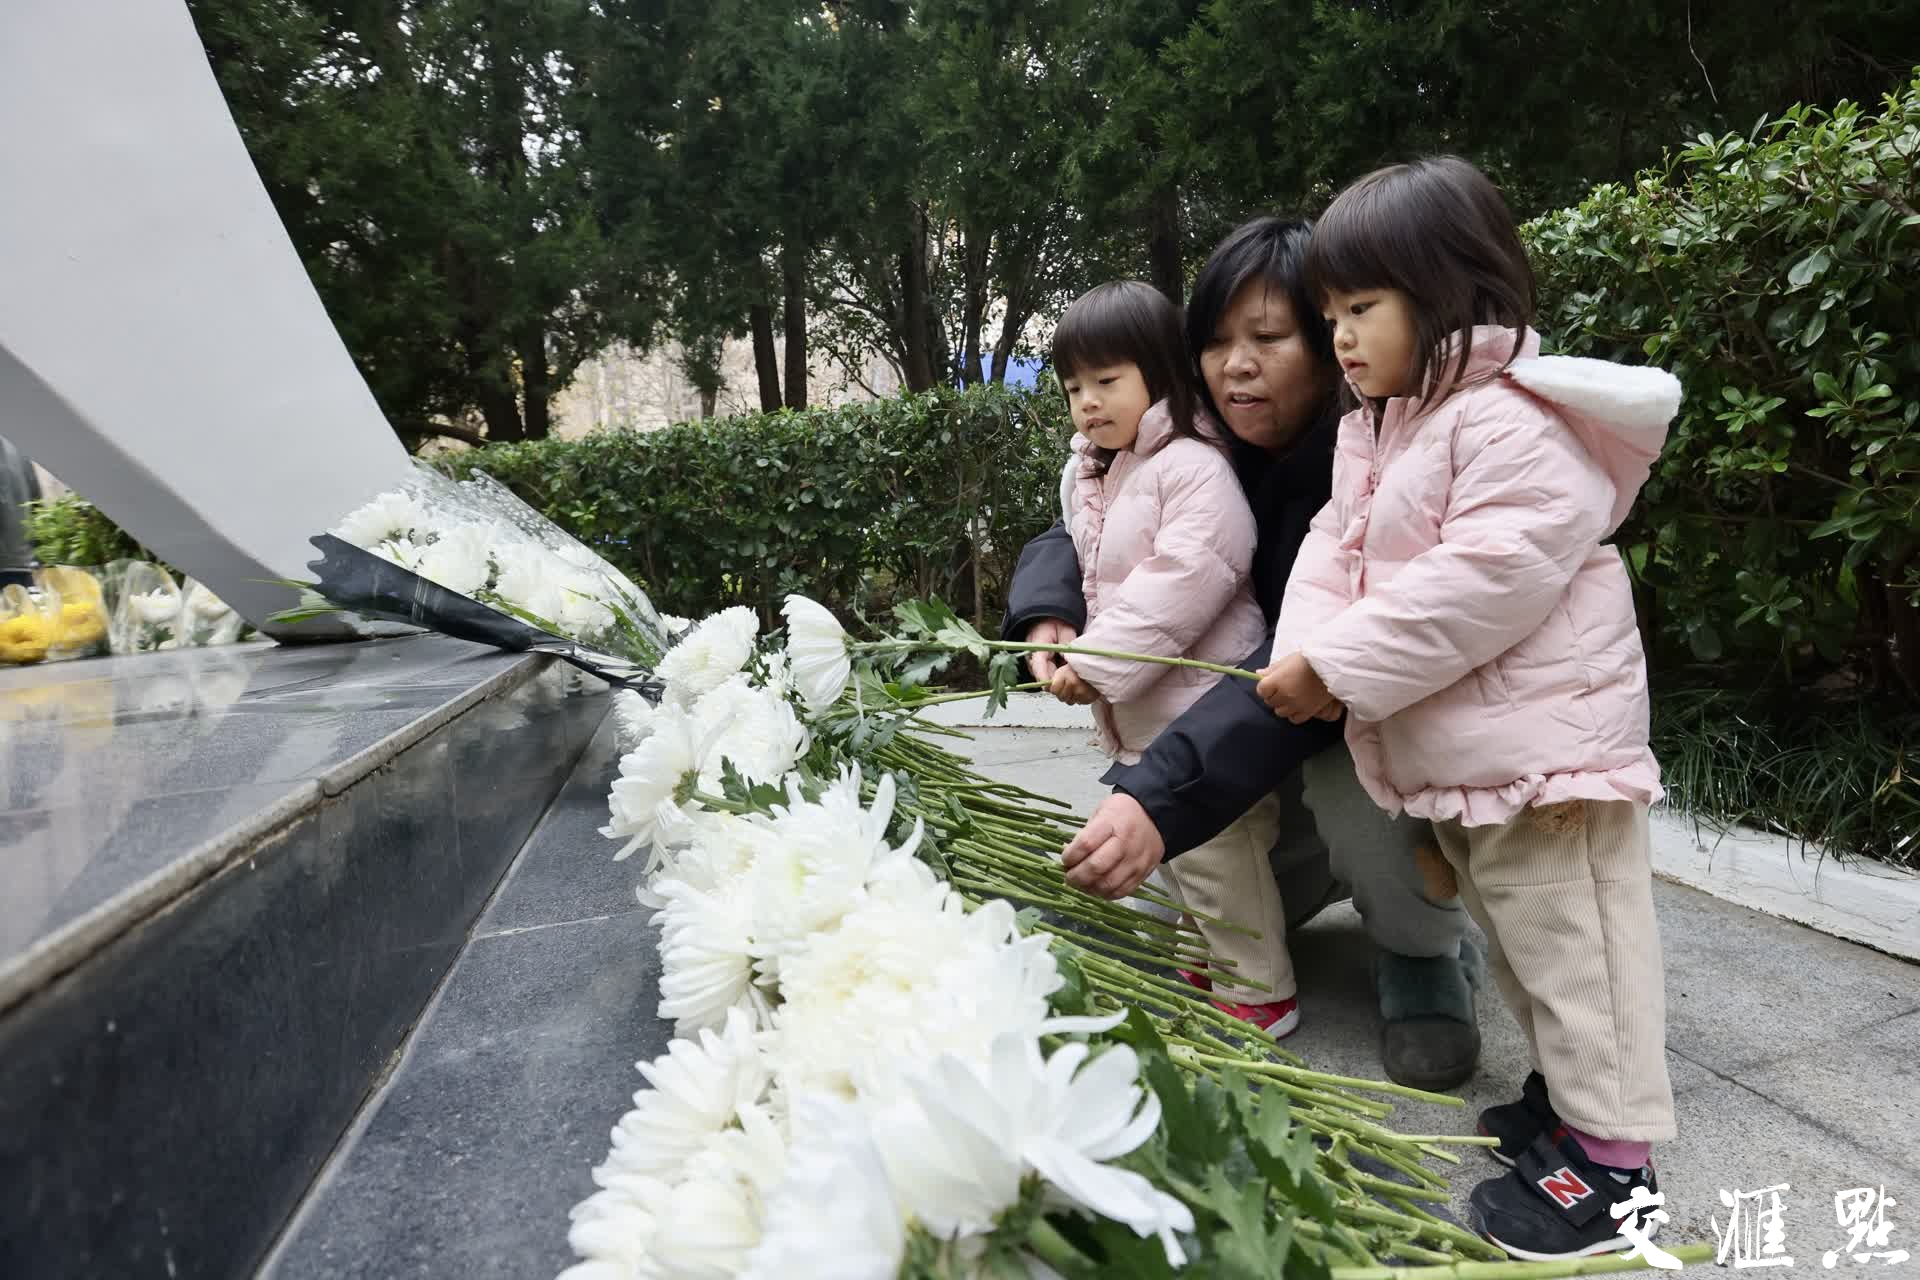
(1272, 251)
(1438, 231)
(1130, 321)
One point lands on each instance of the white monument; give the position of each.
(161, 347)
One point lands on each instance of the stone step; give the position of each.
(468, 1158)
(232, 880)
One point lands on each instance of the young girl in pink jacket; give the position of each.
(1165, 540)
(1459, 602)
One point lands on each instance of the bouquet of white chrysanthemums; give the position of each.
(427, 551)
(883, 1069)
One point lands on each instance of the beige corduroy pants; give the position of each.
(1230, 877)
(1565, 895)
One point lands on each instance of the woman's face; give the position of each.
(1260, 370)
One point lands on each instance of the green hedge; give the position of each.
(932, 494)
(1778, 275)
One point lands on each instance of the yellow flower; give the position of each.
(25, 638)
(81, 623)
(74, 584)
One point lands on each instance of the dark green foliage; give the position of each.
(1773, 272)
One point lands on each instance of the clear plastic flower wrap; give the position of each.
(468, 558)
(143, 606)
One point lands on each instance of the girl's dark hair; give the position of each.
(1130, 321)
(1438, 231)
(1274, 252)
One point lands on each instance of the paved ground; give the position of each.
(1795, 1057)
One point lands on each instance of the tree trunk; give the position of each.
(1163, 246)
(974, 259)
(766, 362)
(709, 401)
(793, 268)
(915, 312)
(536, 381)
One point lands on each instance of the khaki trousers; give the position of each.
(1565, 895)
(1229, 877)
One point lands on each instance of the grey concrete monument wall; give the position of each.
(161, 347)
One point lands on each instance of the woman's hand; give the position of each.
(1067, 686)
(1116, 851)
(1049, 631)
(1296, 693)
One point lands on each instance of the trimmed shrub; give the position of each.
(1778, 275)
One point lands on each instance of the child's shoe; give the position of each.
(1517, 1124)
(1555, 1203)
(1278, 1019)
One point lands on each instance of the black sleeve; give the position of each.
(1046, 584)
(1214, 762)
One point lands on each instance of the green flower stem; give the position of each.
(1056, 1250)
(1602, 1265)
(1371, 1086)
(1423, 1225)
(1022, 646)
(1368, 1182)
(1134, 953)
(1072, 902)
(721, 804)
(919, 703)
(1161, 900)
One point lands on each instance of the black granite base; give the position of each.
(167, 1100)
(466, 1163)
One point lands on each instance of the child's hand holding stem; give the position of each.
(1296, 693)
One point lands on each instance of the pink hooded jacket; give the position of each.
(1456, 594)
(1165, 540)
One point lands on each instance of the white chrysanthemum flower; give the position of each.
(957, 1146)
(907, 975)
(817, 650)
(582, 612)
(155, 607)
(401, 551)
(613, 1231)
(716, 649)
(642, 796)
(715, 1216)
(675, 624)
(699, 1089)
(528, 579)
(206, 606)
(755, 728)
(833, 1216)
(389, 517)
(779, 674)
(458, 559)
(706, 956)
(632, 719)
(818, 867)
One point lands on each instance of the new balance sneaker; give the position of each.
(1517, 1124)
(1555, 1203)
(1277, 1019)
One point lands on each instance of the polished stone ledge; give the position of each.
(241, 977)
(128, 781)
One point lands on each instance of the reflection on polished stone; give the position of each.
(113, 768)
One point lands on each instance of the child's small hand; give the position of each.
(1067, 686)
(1296, 693)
